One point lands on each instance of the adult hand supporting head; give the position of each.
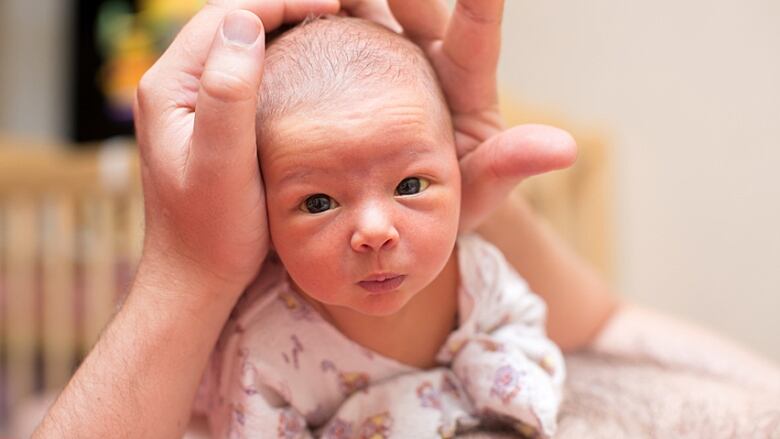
(464, 50)
(195, 122)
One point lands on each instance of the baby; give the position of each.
(374, 319)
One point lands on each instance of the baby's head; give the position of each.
(358, 159)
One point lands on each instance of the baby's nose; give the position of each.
(374, 231)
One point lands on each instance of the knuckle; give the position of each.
(495, 168)
(144, 92)
(227, 87)
(471, 12)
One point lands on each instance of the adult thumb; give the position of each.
(493, 169)
(223, 136)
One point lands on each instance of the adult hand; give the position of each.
(464, 50)
(195, 122)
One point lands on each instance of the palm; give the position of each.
(195, 127)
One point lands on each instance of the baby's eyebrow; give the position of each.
(292, 174)
(295, 174)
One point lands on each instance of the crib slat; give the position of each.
(4, 401)
(99, 264)
(21, 252)
(550, 195)
(593, 196)
(59, 326)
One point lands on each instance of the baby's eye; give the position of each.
(318, 203)
(411, 186)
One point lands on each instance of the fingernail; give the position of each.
(241, 27)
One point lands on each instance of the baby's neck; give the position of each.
(413, 335)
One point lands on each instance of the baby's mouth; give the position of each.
(382, 282)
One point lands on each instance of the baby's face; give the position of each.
(363, 201)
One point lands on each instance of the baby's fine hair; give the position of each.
(331, 61)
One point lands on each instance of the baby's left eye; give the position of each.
(411, 186)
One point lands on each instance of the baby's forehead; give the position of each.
(395, 116)
(339, 62)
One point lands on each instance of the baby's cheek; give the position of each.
(313, 263)
(434, 235)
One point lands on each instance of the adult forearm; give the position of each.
(579, 301)
(140, 378)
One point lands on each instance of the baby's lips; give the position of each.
(383, 284)
(380, 277)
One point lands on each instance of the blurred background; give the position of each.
(688, 97)
(675, 198)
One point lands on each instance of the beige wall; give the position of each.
(690, 94)
(34, 67)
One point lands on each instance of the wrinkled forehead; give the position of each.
(343, 68)
(368, 115)
(380, 134)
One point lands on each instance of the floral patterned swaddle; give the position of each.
(280, 370)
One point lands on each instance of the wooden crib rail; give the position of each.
(70, 234)
(34, 167)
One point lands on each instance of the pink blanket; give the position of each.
(650, 376)
(647, 376)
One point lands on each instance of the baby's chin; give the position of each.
(362, 303)
(384, 304)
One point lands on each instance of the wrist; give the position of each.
(177, 278)
(148, 361)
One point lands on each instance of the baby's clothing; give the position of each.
(280, 369)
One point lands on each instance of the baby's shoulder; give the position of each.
(471, 246)
(269, 305)
(487, 280)
(268, 328)
(483, 266)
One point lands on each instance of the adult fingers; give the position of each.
(223, 138)
(422, 21)
(180, 66)
(372, 10)
(275, 12)
(167, 93)
(473, 38)
(466, 58)
(493, 169)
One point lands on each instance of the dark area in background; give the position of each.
(91, 119)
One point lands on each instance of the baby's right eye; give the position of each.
(318, 203)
